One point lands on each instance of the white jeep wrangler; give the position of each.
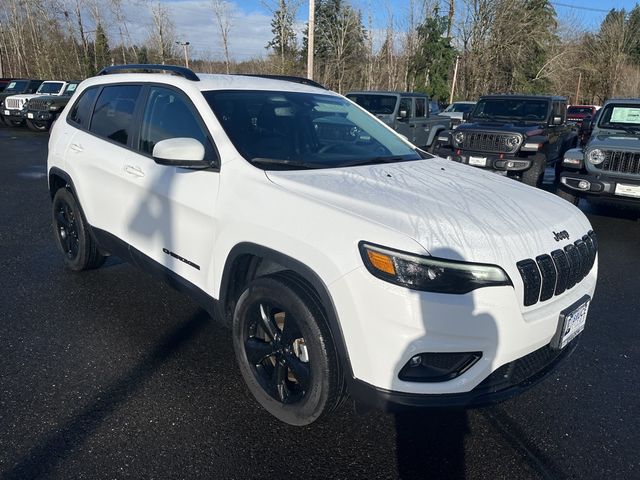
(13, 109)
(346, 260)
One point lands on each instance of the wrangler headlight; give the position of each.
(596, 156)
(513, 141)
(459, 137)
(428, 273)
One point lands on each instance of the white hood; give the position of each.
(452, 210)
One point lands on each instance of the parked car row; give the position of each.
(34, 102)
(593, 151)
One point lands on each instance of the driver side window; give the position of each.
(167, 115)
(405, 104)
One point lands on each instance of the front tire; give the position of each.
(38, 126)
(567, 195)
(285, 351)
(535, 174)
(73, 238)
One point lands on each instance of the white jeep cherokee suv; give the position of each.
(345, 260)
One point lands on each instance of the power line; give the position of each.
(578, 7)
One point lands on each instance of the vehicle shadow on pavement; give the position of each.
(430, 444)
(64, 439)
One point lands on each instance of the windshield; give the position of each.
(304, 130)
(459, 107)
(376, 104)
(71, 87)
(579, 110)
(16, 86)
(50, 87)
(623, 117)
(512, 109)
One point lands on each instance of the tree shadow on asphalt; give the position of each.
(43, 458)
(430, 444)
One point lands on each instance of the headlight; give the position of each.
(596, 156)
(428, 273)
(513, 141)
(459, 137)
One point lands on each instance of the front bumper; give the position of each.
(385, 325)
(13, 114)
(506, 382)
(601, 185)
(503, 163)
(40, 115)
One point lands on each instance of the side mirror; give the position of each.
(586, 124)
(403, 114)
(556, 121)
(180, 152)
(466, 116)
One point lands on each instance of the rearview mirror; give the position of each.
(180, 152)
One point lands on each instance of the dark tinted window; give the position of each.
(376, 104)
(168, 115)
(16, 86)
(405, 104)
(113, 113)
(81, 110)
(421, 107)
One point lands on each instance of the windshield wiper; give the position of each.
(376, 161)
(284, 163)
(631, 130)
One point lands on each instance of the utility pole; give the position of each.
(455, 78)
(310, 38)
(186, 52)
(578, 89)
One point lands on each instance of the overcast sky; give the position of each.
(251, 24)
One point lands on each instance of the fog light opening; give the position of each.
(438, 367)
(584, 185)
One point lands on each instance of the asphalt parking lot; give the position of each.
(111, 374)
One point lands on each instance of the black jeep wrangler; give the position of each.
(515, 135)
(608, 166)
(16, 87)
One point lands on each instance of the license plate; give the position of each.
(29, 115)
(571, 323)
(628, 190)
(478, 161)
(7, 112)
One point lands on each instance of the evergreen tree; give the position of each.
(102, 52)
(284, 40)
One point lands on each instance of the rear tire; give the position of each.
(285, 351)
(73, 238)
(38, 126)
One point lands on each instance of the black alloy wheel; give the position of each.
(285, 351)
(73, 238)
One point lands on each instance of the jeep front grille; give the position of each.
(553, 274)
(621, 162)
(14, 103)
(488, 142)
(37, 104)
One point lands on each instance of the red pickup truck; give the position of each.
(577, 113)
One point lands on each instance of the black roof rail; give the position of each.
(150, 68)
(286, 78)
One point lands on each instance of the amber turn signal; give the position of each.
(382, 262)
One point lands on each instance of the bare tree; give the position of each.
(223, 12)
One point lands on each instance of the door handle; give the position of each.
(76, 147)
(412, 126)
(133, 170)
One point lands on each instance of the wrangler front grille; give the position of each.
(553, 274)
(36, 104)
(488, 142)
(14, 103)
(621, 162)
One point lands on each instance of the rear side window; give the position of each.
(167, 114)
(113, 113)
(421, 107)
(81, 110)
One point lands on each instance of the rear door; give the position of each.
(97, 150)
(421, 129)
